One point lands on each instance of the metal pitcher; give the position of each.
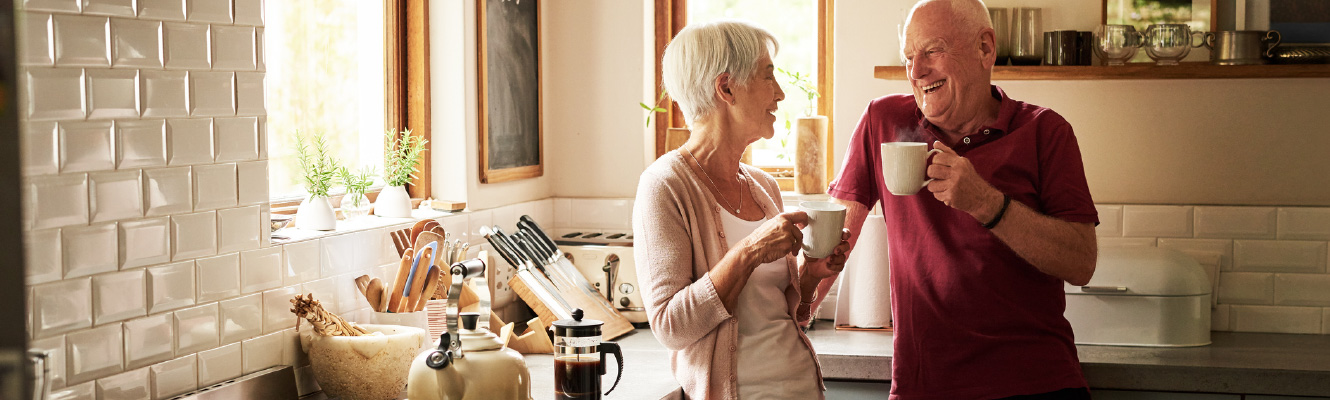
(1241, 47)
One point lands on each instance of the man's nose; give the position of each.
(916, 69)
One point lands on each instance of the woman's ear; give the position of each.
(723, 86)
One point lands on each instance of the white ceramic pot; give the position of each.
(393, 202)
(316, 213)
(363, 367)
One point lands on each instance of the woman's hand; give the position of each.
(822, 268)
(776, 238)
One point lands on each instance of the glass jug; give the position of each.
(579, 358)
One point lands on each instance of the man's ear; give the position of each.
(988, 46)
(723, 86)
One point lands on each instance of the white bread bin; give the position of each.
(1142, 296)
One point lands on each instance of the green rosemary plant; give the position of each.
(656, 108)
(318, 165)
(401, 156)
(801, 81)
(356, 183)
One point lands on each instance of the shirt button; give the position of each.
(732, 348)
(722, 234)
(966, 140)
(986, 131)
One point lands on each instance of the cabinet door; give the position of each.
(1100, 394)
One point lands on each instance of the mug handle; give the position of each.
(1277, 37)
(611, 348)
(1209, 40)
(926, 155)
(1204, 36)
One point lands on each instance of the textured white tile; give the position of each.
(260, 270)
(237, 138)
(214, 186)
(212, 94)
(1302, 290)
(41, 150)
(292, 353)
(94, 352)
(193, 235)
(208, 11)
(1304, 223)
(80, 41)
(112, 93)
(252, 182)
(258, 49)
(1201, 248)
(1157, 221)
(339, 254)
(544, 213)
(141, 143)
(387, 251)
(263, 137)
(164, 93)
(219, 364)
(1235, 222)
(116, 195)
(1220, 318)
(170, 10)
(168, 190)
(174, 377)
(35, 40)
(261, 352)
(55, 201)
(475, 220)
(242, 318)
(219, 277)
(265, 215)
(505, 218)
(1276, 319)
(90, 249)
(190, 141)
(86, 146)
(136, 44)
(54, 348)
(123, 8)
(349, 297)
(1126, 242)
(131, 385)
(249, 94)
(54, 94)
(249, 12)
(563, 213)
(326, 292)
(185, 46)
(233, 47)
(149, 340)
(84, 391)
(300, 262)
(277, 308)
(456, 226)
(170, 286)
(196, 329)
(118, 296)
(1279, 256)
(240, 229)
(51, 5)
(42, 256)
(61, 307)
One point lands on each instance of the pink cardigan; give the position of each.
(678, 238)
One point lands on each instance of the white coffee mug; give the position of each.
(825, 222)
(904, 167)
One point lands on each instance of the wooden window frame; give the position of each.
(672, 16)
(406, 88)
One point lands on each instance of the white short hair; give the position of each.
(702, 52)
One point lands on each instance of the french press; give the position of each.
(579, 358)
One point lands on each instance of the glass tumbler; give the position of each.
(1027, 36)
(1002, 34)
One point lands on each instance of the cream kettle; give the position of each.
(472, 363)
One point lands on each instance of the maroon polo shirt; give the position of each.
(973, 320)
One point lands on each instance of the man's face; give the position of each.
(944, 66)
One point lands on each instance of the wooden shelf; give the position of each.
(1199, 70)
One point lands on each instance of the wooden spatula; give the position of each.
(394, 293)
(374, 293)
(417, 280)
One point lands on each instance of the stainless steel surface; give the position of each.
(1104, 289)
(1241, 47)
(276, 383)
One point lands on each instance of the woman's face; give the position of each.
(754, 109)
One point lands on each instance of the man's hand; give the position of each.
(957, 185)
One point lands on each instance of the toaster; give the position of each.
(612, 271)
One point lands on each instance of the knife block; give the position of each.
(615, 324)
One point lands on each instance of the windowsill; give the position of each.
(296, 235)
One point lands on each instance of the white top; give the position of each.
(772, 361)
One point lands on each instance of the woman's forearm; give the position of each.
(730, 275)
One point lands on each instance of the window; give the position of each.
(326, 74)
(794, 23)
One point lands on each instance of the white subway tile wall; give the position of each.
(132, 385)
(149, 340)
(174, 377)
(218, 364)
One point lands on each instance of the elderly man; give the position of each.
(979, 258)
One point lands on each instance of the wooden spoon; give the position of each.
(431, 284)
(394, 293)
(361, 283)
(374, 293)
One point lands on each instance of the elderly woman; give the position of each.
(723, 288)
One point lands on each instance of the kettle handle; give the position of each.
(611, 348)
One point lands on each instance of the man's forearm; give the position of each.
(1066, 250)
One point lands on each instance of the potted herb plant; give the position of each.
(810, 148)
(316, 211)
(401, 159)
(355, 204)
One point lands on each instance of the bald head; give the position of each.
(966, 16)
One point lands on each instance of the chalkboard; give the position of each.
(509, 58)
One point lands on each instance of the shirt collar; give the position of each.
(1006, 111)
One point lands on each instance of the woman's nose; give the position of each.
(780, 93)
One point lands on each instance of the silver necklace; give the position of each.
(738, 210)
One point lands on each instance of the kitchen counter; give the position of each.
(646, 371)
